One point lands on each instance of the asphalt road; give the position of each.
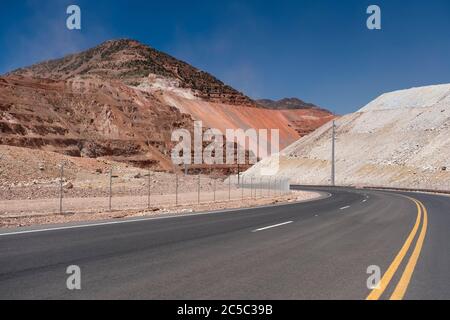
(314, 250)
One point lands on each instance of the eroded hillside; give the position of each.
(122, 100)
(400, 139)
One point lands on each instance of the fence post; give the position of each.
(176, 190)
(277, 182)
(242, 189)
(275, 187)
(61, 189)
(149, 190)
(260, 187)
(264, 193)
(229, 188)
(198, 190)
(214, 187)
(110, 189)
(251, 188)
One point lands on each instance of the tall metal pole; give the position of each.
(333, 159)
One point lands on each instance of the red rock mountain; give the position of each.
(122, 100)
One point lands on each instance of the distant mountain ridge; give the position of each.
(287, 103)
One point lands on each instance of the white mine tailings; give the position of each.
(401, 139)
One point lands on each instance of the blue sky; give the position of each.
(317, 50)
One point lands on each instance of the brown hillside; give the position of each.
(122, 100)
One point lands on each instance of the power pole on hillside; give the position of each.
(333, 158)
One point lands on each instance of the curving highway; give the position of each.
(313, 250)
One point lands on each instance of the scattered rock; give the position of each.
(68, 185)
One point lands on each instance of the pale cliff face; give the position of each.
(400, 139)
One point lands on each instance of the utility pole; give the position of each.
(333, 158)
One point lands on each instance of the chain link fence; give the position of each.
(111, 190)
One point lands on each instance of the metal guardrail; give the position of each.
(378, 188)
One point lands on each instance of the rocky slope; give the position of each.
(89, 118)
(400, 139)
(122, 100)
(132, 62)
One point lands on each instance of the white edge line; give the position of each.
(77, 226)
(273, 226)
(343, 208)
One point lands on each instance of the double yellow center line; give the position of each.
(402, 285)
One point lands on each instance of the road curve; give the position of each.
(314, 250)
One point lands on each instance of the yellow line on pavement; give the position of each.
(402, 285)
(376, 293)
